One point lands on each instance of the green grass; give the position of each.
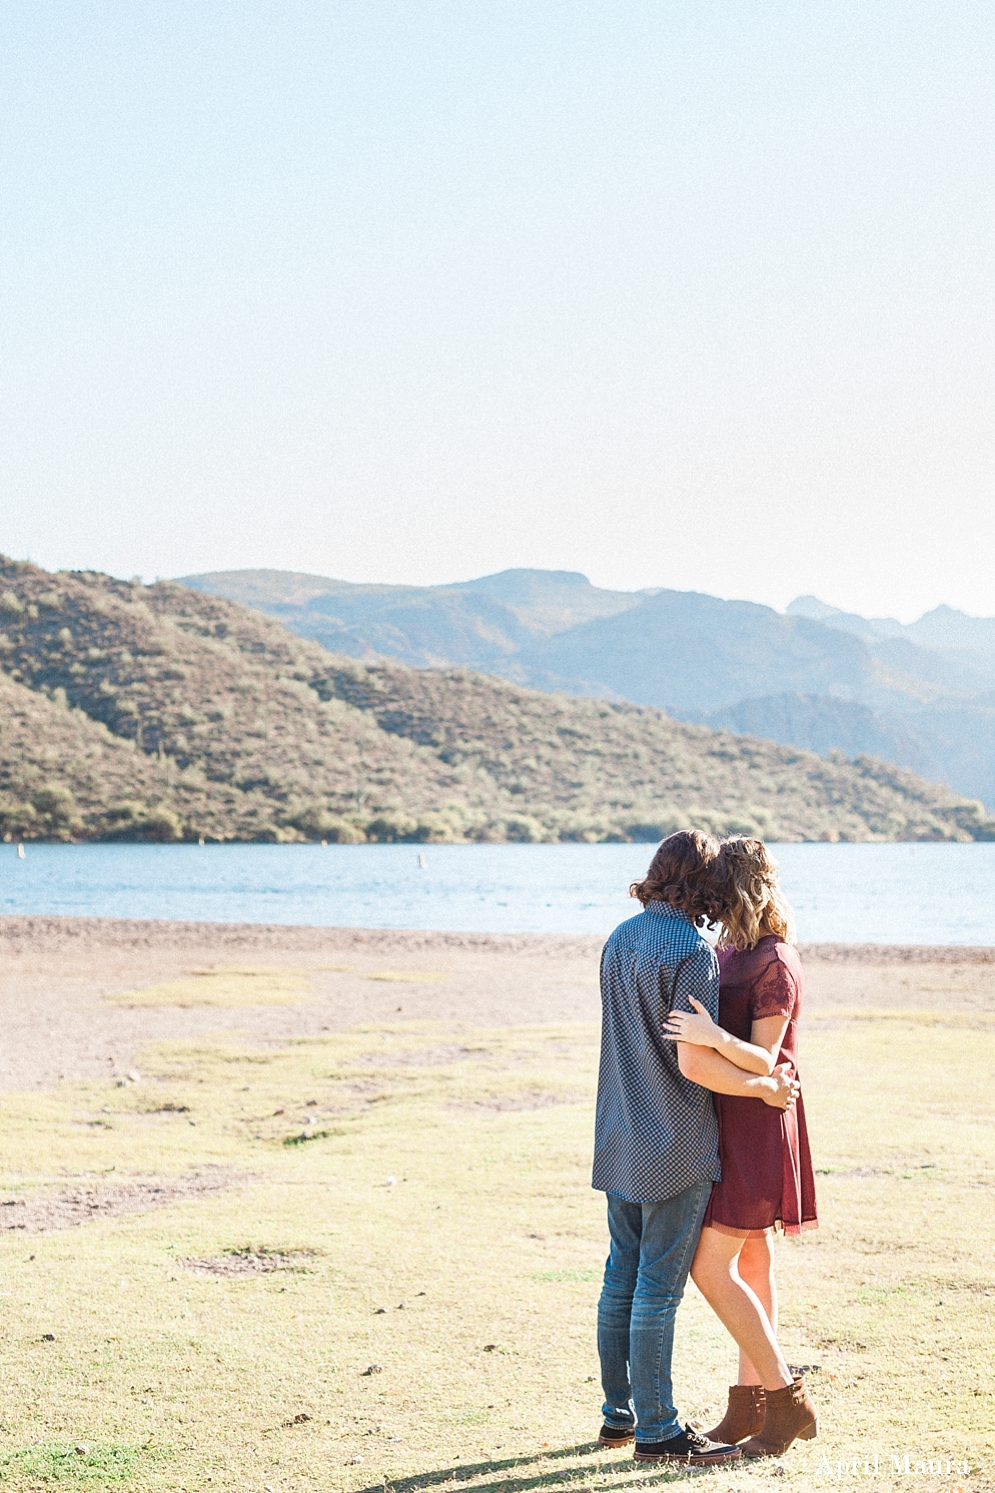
(59, 1462)
(459, 1250)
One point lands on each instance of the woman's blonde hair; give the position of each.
(753, 901)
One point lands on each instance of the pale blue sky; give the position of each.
(686, 295)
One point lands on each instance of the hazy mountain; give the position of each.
(943, 628)
(672, 649)
(687, 652)
(826, 724)
(130, 711)
(945, 647)
(946, 628)
(547, 602)
(816, 677)
(864, 627)
(486, 624)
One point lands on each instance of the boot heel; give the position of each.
(809, 1433)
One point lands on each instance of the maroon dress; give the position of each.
(767, 1179)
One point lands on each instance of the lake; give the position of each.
(927, 894)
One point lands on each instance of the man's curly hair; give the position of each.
(683, 873)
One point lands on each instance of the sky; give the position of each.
(699, 296)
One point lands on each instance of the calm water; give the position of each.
(844, 893)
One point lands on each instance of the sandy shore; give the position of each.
(59, 978)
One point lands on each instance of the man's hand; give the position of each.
(683, 1026)
(780, 1090)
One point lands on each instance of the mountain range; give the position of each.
(164, 713)
(920, 695)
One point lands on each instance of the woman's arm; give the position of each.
(756, 1056)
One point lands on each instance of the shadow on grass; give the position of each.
(518, 1474)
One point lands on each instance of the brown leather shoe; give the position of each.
(744, 1414)
(789, 1415)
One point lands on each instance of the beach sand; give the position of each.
(62, 979)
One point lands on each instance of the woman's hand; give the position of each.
(698, 1029)
(784, 1089)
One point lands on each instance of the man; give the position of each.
(656, 1144)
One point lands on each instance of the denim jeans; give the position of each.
(652, 1246)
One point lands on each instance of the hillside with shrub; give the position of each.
(161, 712)
(921, 695)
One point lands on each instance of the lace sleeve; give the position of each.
(774, 993)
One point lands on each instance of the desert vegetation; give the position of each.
(159, 712)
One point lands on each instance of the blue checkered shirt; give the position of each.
(655, 1131)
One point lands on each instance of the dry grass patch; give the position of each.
(236, 1264)
(523, 1099)
(412, 977)
(67, 1208)
(235, 985)
(441, 1334)
(909, 1015)
(932, 987)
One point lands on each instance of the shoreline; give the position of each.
(64, 983)
(17, 930)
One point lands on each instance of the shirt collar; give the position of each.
(666, 910)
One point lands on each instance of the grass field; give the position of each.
(373, 1258)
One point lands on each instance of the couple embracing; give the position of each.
(701, 1146)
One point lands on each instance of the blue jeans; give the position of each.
(652, 1248)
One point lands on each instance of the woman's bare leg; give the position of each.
(756, 1269)
(715, 1272)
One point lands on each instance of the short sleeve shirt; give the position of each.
(774, 993)
(655, 1130)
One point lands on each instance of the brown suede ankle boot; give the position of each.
(788, 1415)
(744, 1414)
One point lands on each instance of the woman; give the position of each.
(767, 1180)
